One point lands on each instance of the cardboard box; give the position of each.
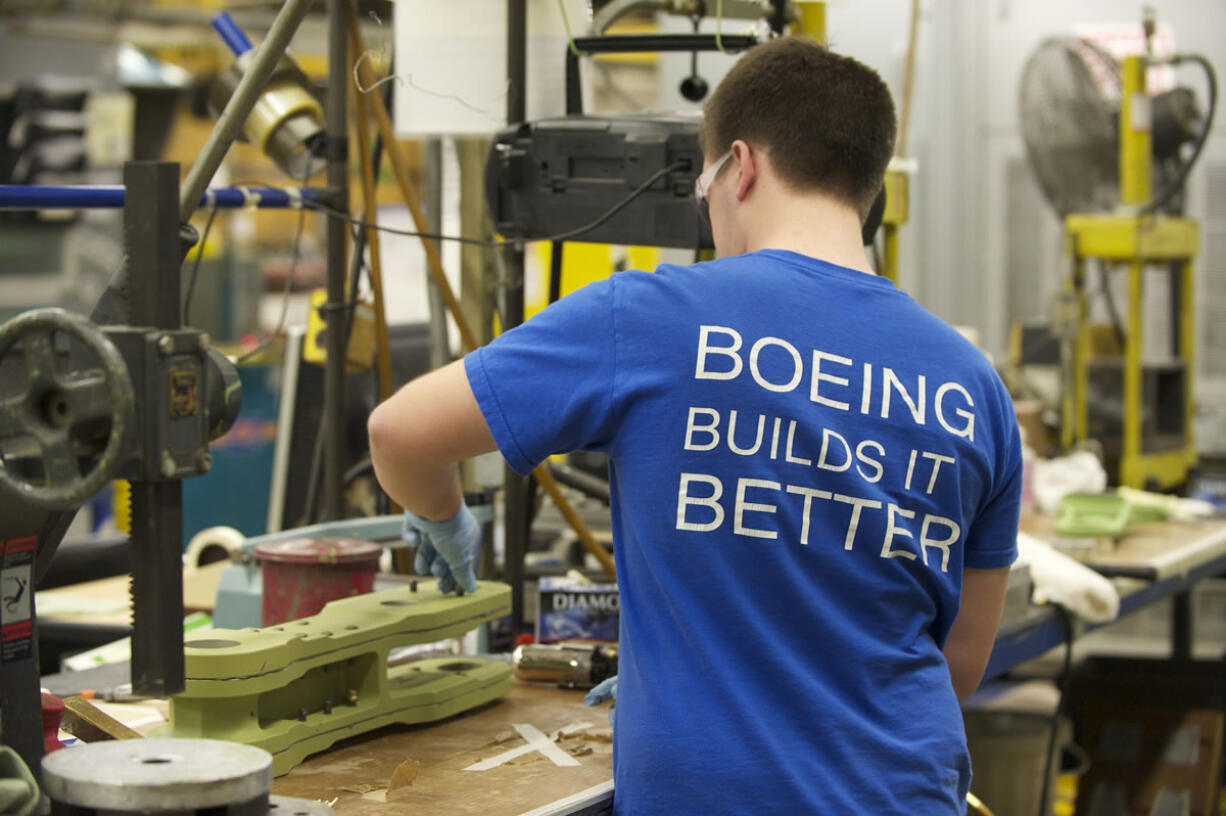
(570, 610)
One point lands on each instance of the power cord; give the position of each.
(499, 242)
(1117, 324)
(355, 274)
(1066, 621)
(191, 280)
(285, 295)
(1176, 184)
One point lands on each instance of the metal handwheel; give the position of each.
(55, 404)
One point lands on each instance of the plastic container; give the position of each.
(301, 575)
(1008, 753)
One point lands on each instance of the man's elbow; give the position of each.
(386, 434)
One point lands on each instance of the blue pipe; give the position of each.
(232, 34)
(111, 196)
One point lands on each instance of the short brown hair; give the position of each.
(826, 119)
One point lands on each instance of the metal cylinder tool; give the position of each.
(571, 665)
(286, 121)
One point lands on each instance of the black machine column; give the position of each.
(516, 495)
(154, 253)
(334, 311)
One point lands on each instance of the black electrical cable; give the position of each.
(208, 226)
(1066, 673)
(555, 271)
(358, 262)
(1176, 184)
(313, 480)
(562, 236)
(358, 222)
(1109, 299)
(285, 295)
(191, 280)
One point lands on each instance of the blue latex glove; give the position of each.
(605, 690)
(447, 549)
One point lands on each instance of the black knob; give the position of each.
(694, 88)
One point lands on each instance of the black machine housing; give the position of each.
(556, 175)
(548, 177)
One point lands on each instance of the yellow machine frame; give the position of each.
(892, 220)
(811, 21)
(1134, 241)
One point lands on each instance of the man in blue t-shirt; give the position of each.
(815, 482)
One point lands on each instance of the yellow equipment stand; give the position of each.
(1133, 240)
(892, 220)
(811, 21)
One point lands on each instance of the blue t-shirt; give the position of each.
(802, 461)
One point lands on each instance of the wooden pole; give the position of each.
(370, 215)
(400, 165)
(900, 147)
(546, 480)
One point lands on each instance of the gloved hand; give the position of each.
(19, 794)
(447, 549)
(605, 690)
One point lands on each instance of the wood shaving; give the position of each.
(596, 736)
(404, 775)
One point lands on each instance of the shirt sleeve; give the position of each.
(546, 386)
(992, 542)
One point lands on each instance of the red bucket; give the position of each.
(301, 575)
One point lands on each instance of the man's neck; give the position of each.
(811, 225)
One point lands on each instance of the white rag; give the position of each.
(1054, 479)
(1061, 580)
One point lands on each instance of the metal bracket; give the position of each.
(298, 687)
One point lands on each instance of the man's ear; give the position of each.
(747, 167)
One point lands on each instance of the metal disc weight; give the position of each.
(157, 775)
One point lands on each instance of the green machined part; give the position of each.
(296, 688)
(1102, 515)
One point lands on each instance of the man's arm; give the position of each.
(420, 433)
(970, 639)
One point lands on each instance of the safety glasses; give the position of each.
(703, 183)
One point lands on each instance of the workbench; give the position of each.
(513, 775)
(1151, 563)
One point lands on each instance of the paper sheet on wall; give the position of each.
(451, 64)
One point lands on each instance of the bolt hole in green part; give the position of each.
(212, 644)
(351, 627)
(458, 666)
(397, 603)
(156, 761)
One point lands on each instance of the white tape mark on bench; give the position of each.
(536, 741)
